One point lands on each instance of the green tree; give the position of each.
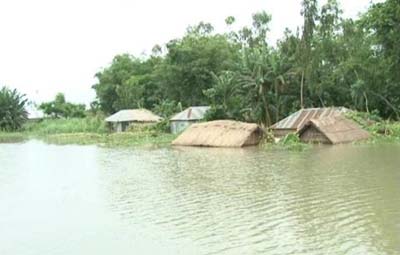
(310, 15)
(12, 109)
(60, 108)
(190, 62)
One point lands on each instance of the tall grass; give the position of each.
(67, 126)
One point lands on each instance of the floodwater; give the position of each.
(88, 200)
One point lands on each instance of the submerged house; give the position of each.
(220, 133)
(332, 130)
(121, 120)
(296, 121)
(182, 120)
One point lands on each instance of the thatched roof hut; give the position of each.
(332, 130)
(182, 120)
(220, 133)
(122, 119)
(297, 120)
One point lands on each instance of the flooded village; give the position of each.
(229, 127)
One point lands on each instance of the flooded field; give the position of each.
(90, 200)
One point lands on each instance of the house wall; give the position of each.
(125, 126)
(178, 126)
(282, 132)
(254, 138)
(313, 135)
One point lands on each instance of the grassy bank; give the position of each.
(87, 131)
(12, 137)
(66, 126)
(142, 139)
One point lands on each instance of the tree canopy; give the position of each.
(328, 61)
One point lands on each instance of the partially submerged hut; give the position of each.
(220, 133)
(297, 120)
(121, 120)
(189, 116)
(332, 130)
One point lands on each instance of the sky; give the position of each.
(49, 46)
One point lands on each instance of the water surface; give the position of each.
(89, 200)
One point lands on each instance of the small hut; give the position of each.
(121, 120)
(182, 120)
(297, 120)
(220, 133)
(332, 130)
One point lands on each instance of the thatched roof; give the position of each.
(136, 115)
(298, 119)
(191, 113)
(337, 129)
(220, 133)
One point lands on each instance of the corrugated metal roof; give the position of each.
(337, 129)
(139, 115)
(298, 119)
(192, 113)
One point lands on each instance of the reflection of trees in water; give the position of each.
(327, 198)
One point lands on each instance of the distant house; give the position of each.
(297, 120)
(182, 120)
(220, 133)
(121, 120)
(332, 130)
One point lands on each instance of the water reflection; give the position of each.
(330, 200)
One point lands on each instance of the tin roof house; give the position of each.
(295, 122)
(182, 120)
(121, 120)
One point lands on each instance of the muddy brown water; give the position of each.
(88, 200)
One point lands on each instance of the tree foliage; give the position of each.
(328, 61)
(60, 108)
(12, 109)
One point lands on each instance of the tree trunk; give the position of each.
(366, 102)
(302, 90)
(388, 103)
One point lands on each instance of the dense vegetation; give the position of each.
(60, 108)
(329, 61)
(12, 109)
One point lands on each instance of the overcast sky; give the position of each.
(49, 46)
